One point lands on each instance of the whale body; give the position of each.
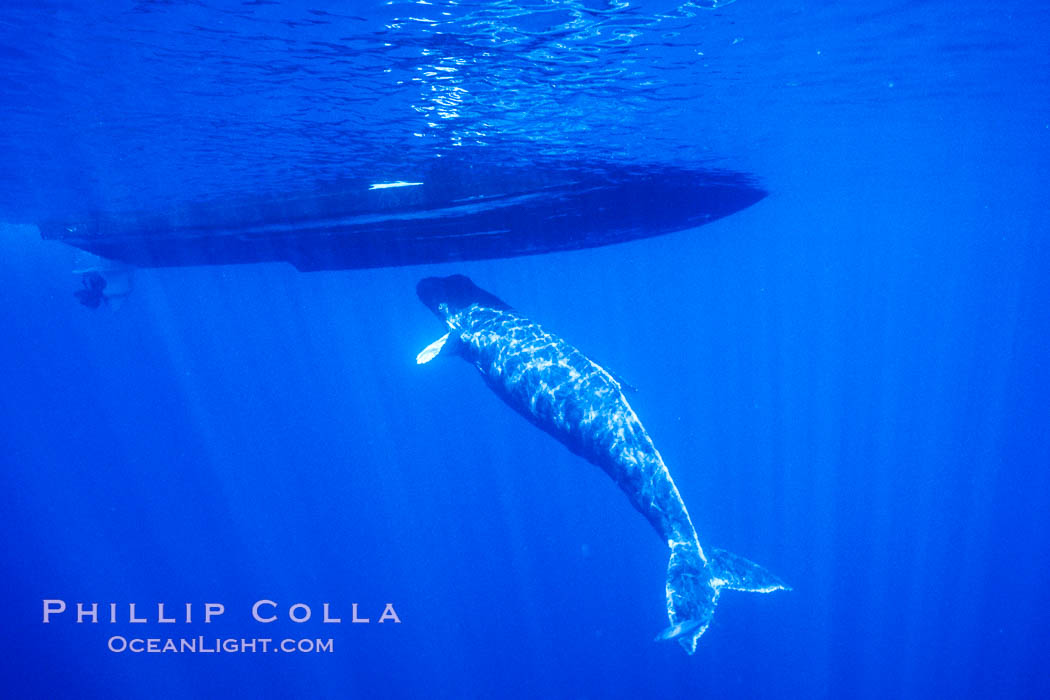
(571, 397)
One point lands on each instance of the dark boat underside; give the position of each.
(448, 213)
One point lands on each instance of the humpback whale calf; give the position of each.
(571, 397)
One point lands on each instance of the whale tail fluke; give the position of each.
(693, 587)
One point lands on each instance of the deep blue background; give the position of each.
(848, 380)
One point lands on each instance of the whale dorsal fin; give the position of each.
(624, 386)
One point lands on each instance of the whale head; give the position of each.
(446, 296)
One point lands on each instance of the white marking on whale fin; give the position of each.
(431, 351)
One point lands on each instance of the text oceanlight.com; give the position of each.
(218, 645)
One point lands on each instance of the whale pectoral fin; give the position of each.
(739, 574)
(431, 351)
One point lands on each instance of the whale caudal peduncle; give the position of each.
(569, 396)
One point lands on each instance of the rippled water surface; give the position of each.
(136, 105)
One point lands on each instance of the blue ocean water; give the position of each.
(848, 379)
